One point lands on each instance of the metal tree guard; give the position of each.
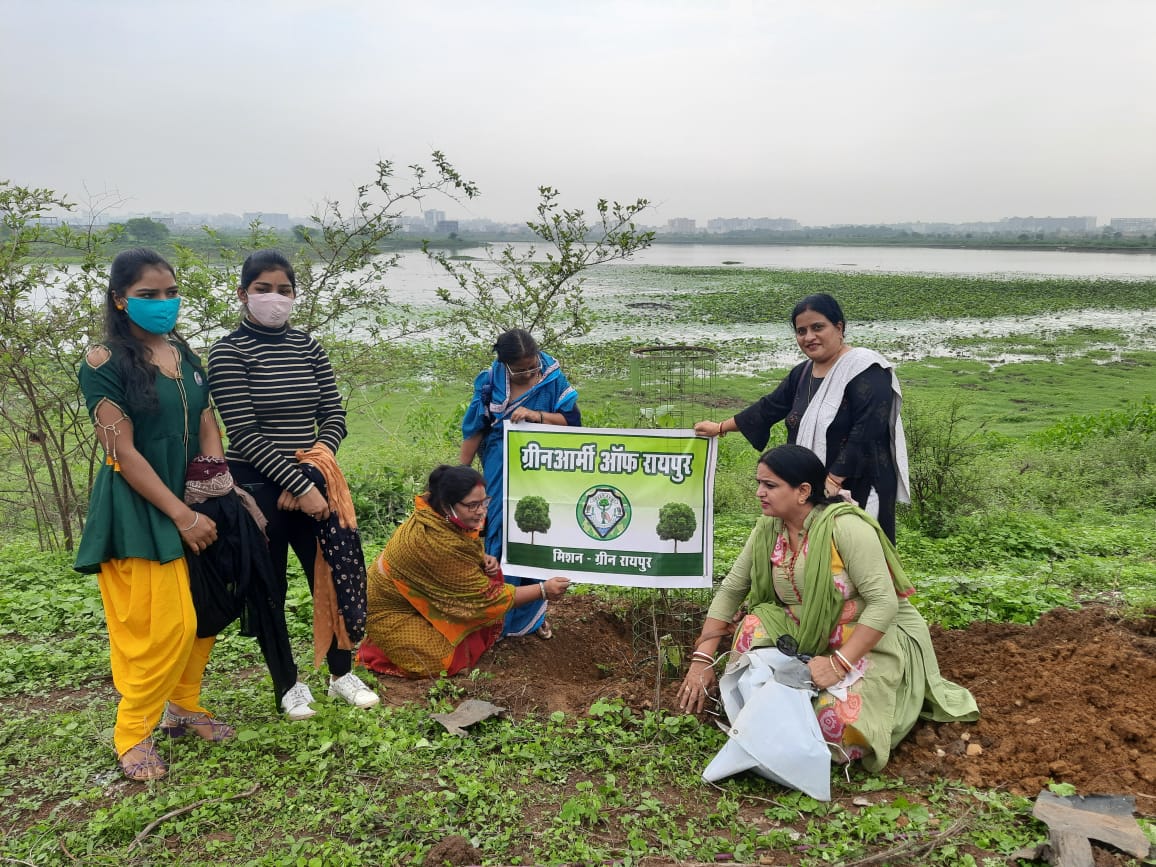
(672, 383)
(672, 386)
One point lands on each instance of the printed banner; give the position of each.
(633, 508)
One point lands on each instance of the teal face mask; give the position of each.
(154, 315)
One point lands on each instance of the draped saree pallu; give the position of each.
(818, 597)
(490, 408)
(431, 607)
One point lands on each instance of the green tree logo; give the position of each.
(532, 515)
(676, 521)
(603, 512)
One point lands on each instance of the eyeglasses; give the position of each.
(788, 646)
(476, 506)
(525, 371)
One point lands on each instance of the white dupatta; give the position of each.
(825, 404)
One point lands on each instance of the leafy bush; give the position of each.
(383, 498)
(954, 602)
(942, 449)
(1079, 430)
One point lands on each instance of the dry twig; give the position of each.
(188, 808)
(920, 846)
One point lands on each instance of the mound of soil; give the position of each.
(1070, 699)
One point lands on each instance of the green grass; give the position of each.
(1060, 510)
(383, 787)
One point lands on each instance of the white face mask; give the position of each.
(270, 309)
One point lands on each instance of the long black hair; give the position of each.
(449, 484)
(130, 356)
(796, 465)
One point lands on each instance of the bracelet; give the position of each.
(835, 667)
(843, 660)
(722, 433)
(541, 418)
(543, 586)
(701, 656)
(196, 518)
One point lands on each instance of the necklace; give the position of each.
(789, 565)
(179, 379)
(811, 386)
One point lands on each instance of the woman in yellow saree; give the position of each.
(437, 601)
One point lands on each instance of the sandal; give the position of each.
(142, 763)
(545, 632)
(178, 724)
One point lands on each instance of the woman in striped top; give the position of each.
(276, 393)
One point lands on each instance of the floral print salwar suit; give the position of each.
(853, 582)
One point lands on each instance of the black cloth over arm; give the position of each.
(233, 578)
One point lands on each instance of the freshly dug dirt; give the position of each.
(1071, 699)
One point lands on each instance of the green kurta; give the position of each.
(120, 522)
(901, 680)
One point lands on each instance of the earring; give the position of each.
(120, 307)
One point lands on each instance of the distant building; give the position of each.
(432, 218)
(1049, 225)
(1134, 225)
(272, 221)
(446, 227)
(751, 224)
(680, 226)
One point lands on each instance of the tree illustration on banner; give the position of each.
(532, 515)
(676, 521)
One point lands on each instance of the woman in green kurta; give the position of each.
(821, 579)
(149, 401)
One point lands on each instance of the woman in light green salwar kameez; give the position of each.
(820, 578)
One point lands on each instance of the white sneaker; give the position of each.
(297, 702)
(351, 688)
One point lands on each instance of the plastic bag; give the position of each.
(773, 728)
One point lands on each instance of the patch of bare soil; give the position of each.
(1071, 699)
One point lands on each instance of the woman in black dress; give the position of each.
(843, 404)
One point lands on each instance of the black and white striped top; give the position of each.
(276, 393)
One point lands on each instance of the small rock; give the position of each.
(974, 750)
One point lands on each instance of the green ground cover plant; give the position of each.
(1059, 511)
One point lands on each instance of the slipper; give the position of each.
(142, 763)
(545, 632)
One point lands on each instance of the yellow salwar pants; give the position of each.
(153, 645)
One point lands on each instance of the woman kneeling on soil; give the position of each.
(822, 580)
(437, 601)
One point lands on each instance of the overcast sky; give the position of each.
(826, 111)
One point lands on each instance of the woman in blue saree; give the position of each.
(524, 384)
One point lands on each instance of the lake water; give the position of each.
(416, 279)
